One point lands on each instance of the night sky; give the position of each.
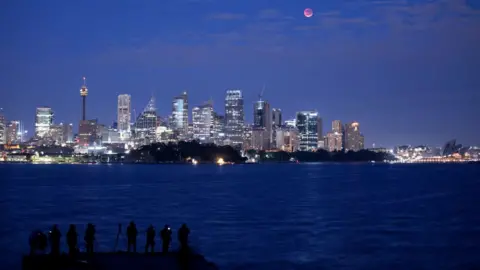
(408, 71)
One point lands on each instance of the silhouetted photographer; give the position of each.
(166, 235)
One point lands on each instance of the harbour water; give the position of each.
(272, 216)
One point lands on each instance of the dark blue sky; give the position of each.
(408, 71)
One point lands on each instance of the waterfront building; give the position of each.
(218, 129)
(88, 133)
(179, 119)
(333, 141)
(234, 117)
(203, 123)
(260, 138)
(43, 121)
(124, 115)
(164, 134)
(13, 132)
(354, 140)
(287, 138)
(146, 124)
(309, 127)
(247, 137)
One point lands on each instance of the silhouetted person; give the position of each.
(119, 232)
(38, 242)
(150, 239)
(166, 235)
(132, 236)
(55, 236)
(183, 233)
(72, 240)
(89, 237)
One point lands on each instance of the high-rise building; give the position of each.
(43, 121)
(124, 115)
(13, 133)
(234, 117)
(179, 120)
(276, 124)
(287, 139)
(354, 140)
(83, 94)
(3, 130)
(68, 133)
(88, 132)
(309, 128)
(277, 117)
(203, 123)
(218, 129)
(55, 134)
(333, 141)
(337, 126)
(260, 138)
(146, 124)
(262, 118)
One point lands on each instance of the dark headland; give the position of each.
(118, 261)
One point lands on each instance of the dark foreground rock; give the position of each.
(118, 261)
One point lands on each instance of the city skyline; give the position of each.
(398, 84)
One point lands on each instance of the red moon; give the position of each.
(308, 12)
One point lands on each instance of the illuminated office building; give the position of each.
(124, 115)
(179, 119)
(203, 123)
(354, 140)
(309, 128)
(262, 118)
(234, 117)
(146, 124)
(43, 121)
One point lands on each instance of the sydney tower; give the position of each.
(84, 93)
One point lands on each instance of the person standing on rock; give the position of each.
(166, 235)
(132, 236)
(150, 239)
(72, 239)
(89, 238)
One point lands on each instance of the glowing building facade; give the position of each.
(124, 115)
(234, 117)
(43, 121)
(203, 123)
(179, 119)
(309, 128)
(146, 124)
(354, 140)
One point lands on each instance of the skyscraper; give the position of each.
(309, 128)
(337, 126)
(43, 121)
(83, 94)
(276, 124)
(334, 139)
(124, 115)
(234, 117)
(262, 118)
(203, 123)
(13, 132)
(218, 129)
(277, 117)
(146, 124)
(3, 130)
(179, 119)
(354, 140)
